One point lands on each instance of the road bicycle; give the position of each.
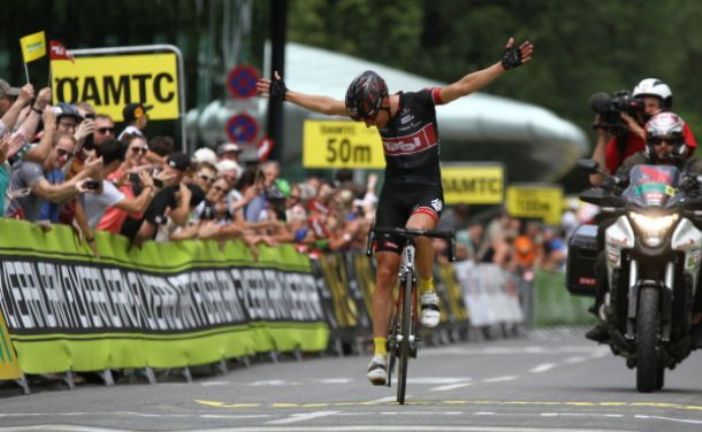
(403, 331)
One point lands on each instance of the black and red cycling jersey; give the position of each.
(412, 174)
(411, 140)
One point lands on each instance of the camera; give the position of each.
(92, 184)
(609, 107)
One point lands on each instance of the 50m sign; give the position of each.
(341, 144)
(111, 82)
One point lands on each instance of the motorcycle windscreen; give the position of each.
(652, 185)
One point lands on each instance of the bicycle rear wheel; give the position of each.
(405, 346)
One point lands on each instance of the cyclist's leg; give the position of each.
(426, 216)
(387, 252)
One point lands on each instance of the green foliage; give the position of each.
(581, 47)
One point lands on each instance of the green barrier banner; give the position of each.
(554, 305)
(165, 305)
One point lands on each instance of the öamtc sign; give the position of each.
(111, 82)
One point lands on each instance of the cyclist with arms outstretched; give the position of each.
(412, 195)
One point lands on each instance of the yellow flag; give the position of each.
(33, 46)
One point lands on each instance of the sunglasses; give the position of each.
(659, 141)
(62, 152)
(219, 188)
(141, 150)
(105, 130)
(206, 178)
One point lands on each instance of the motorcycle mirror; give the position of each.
(589, 166)
(601, 197)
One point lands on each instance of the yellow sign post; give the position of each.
(543, 201)
(111, 82)
(9, 368)
(473, 183)
(341, 144)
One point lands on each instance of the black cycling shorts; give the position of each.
(398, 202)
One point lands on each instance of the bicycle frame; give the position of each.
(403, 329)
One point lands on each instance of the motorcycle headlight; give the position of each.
(653, 228)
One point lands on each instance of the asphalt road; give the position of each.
(549, 381)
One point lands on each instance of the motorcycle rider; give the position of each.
(665, 145)
(611, 151)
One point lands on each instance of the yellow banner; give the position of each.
(111, 82)
(341, 144)
(536, 201)
(33, 46)
(473, 183)
(9, 368)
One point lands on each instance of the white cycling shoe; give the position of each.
(377, 371)
(430, 309)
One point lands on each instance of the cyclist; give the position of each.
(412, 194)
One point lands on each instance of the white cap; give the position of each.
(228, 147)
(228, 165)
(205, 155)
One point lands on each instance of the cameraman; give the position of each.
(665, 145)
(615, 143)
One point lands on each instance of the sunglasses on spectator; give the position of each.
(68, 125)
(141, 150)
(206, 178)
(63, 152)
(104, 130)
(219, 188)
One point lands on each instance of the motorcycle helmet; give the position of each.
(657, 88)
(666, 126)
(364, 97)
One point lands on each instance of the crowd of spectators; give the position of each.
(69, 164)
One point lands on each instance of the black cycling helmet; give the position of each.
(364, 97)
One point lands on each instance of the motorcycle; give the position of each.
(652, 251)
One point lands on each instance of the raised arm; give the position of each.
(511, 58)
(276, 90)
(12, 114)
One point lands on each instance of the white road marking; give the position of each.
(214, 383)
(648, 417)
(451, 386)
(575, 359)
(299, 417)
(335, 380)
(437, 380)
(542, 368)
(500, 379)
(272, 383)
(600, 353)
(484, 413)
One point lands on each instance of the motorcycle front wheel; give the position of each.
(647, 369)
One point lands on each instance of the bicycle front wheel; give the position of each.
(405, 345)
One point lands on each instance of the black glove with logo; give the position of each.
(511, 58)
(278, 90)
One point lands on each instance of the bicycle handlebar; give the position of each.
(411, 233)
